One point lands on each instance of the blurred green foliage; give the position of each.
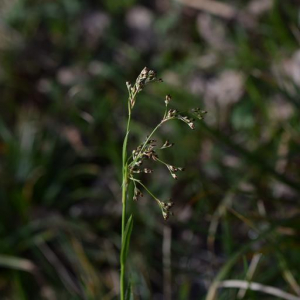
(63, 67)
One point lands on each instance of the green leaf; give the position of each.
(124, 149)
(128, 295)
(16, 263)
(126, 241)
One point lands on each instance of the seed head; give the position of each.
(198, 113)
(137, 194)
(147, 150)
(172, 113)
(168, 99)
(187, 120)
(167, 144)
(139, 163)
(150, 154)
(128, 84)
(191, 124)
(144, 78)
(166, 209)
(151, 141)
(148, 171)
(174, 170)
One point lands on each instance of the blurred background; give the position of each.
(63, 67)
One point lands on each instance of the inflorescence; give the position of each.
(148, 149)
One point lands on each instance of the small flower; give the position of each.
(166, 209)
(135, 153)
(174, 170)
(191, 124)
(151, 155)
(187, 120)
(148, 171)
(151, 141)
(172, 113)
(144, 78)
(171, 168)
(167, 144)
(128, 84)
(168, 99)
(137, 194)
(139, 163)
(198, 113)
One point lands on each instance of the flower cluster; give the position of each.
(166, 209)
(145, 77)
(168, 99)
(175, 114)
(137, 194)
(167, 144)
(145, 150)
(148, 149)
(174, 170)
(145, 170)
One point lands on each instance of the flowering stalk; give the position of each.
(132, 165)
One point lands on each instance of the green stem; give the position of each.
(151, 194)
(125, 167)
(124, 198)
(122, 279)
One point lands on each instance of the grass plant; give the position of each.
(63, 65)
(132, 165)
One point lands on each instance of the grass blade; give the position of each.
(16, 263)
(124, 149)
(125, 244)
(128, 295)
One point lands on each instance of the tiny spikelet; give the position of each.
(166, 209)
(167, 99)
(145, 77)
(198, 113)
(167, 144)
(137, 194)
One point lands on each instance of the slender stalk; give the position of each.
(153, 196)
(124, 199)
(122, 279)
